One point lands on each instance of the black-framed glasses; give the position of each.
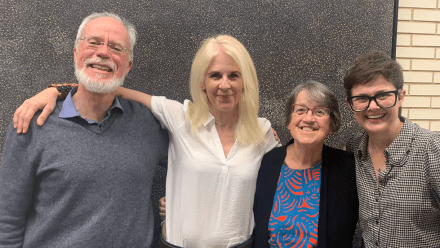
(299, 109)
(384, 100)
(95, 43)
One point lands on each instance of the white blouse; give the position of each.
(209, 196)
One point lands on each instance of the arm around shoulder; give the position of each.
(270, 134)
(45, 100)
(134, 95)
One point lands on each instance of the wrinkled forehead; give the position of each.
(104, 27)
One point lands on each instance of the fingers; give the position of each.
(28, 117)
(45, 100)
(45, 113)
(276, 136)
(16, 118)
(162, 208)
(23, 116)
(164, 230)
(162, 215)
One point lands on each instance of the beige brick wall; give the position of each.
(418, 51)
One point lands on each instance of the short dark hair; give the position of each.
(368, 67)
(319, 93)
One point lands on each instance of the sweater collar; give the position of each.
(69, 110)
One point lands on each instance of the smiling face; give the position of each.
(376, 120)
(308, 129)
(100, 66)
(223, 84)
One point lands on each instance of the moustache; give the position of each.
(98, 60)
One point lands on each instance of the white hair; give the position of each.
(96, 85)
(130, 28)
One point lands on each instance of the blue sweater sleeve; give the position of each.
(16, 188)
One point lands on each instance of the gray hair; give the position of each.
(319, 93)
(128, 25)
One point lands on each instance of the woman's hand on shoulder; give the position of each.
(45, 100)
(162, 208)
(275, 135)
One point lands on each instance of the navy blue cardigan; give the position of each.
(338, 207)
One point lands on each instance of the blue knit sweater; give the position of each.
(73, 184)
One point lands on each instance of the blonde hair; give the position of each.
(247, 130)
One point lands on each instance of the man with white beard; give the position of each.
(84, 179)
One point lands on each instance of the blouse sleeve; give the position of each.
(170, 113)
(268, 134)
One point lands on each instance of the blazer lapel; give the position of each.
(272, 176)
(323, 201)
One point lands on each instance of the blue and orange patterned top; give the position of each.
(294, 218)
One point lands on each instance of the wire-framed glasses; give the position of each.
(95, 43)
(384, 100)
(300, 110)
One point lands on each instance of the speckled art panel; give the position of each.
(290, 41)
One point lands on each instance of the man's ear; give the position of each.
(74, 53)
(130, 64)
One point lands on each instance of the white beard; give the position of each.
(97, 86)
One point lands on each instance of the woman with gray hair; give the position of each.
(306, 191)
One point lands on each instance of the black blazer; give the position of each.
(338, 208)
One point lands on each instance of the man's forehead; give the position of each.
(106, 25)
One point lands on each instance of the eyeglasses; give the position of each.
(303, 110)
(95, 43)
(383, 99)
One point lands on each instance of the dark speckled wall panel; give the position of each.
(290, 41)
